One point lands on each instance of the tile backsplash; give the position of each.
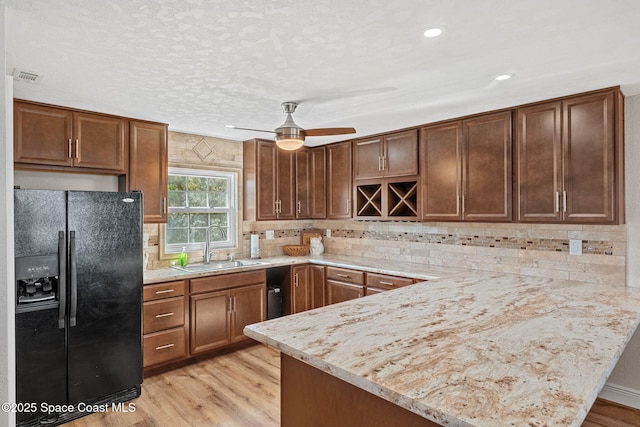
(530, 249)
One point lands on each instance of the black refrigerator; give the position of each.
(78, 294)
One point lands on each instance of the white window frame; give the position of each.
(232, 210)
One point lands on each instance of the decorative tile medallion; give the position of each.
(202, 149)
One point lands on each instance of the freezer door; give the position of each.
(105, 323)
(41, 366)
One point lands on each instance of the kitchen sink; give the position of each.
(217, 265)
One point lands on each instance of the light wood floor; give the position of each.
(242, 389)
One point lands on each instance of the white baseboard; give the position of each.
(620, 394)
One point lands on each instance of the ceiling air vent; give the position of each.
(26, 76)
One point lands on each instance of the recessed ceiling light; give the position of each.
(504, 77)
(433, 32)
(230, 126)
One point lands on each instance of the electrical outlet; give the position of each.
(575, 247)
(328, 234)
(269, 235)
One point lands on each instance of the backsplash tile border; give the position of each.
(593, 247)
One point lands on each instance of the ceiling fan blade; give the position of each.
(255, 130)
(328, 131)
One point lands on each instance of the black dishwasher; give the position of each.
(277, 280)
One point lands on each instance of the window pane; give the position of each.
(177, 220)
(177, 199)
(218, 192)
(197, 199)
(198, 220)
(218, 219)
(177, 236)
(197, 183)
(197, 235)
(177, 182)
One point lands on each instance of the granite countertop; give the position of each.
(385, 266)
(473, 348)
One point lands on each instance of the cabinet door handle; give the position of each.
(234, 304)
(164, 205)
(77, 148)
(346, 276)
(387, 283)
(379, 163)
(557, 202)
(295, 280)
(70, 145)
(166, 291)
(158, 316)
(299, 206)
(463, 203)
(384, 159)
(163, 347)
(564, 201)
(348, 205)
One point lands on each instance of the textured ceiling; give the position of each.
(199, 65)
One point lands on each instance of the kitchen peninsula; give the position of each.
(470, 349)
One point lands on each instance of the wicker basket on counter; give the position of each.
(296, 250)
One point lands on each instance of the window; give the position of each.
(199, 199)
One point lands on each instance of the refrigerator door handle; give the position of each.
(74, 279)
(62, 280)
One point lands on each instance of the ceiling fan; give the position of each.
(290, 136)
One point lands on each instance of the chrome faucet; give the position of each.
(207, 244)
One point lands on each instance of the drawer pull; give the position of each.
(346, 276)
(163, 347)
(387, 283)
(166, 291)
(171, 313)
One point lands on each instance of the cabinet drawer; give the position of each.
(163, 314)
(164, 290)
(227, 281)
(384, 281)
(164, 346)
(345, 275)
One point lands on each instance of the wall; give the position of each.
(624, 382)
(7, 308)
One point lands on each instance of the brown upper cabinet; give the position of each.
(148, 167)
(390, 155)
(466, 169)
(56, 138)
(339, 180)
(318, 178)
(569, 160)
(303, 183)
(269, 181)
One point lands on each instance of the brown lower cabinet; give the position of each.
(166, 322)
(187, 318)
(307, 287)
(221, 306)
(343, 284)
(377, 283)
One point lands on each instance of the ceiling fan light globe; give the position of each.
(289, 144)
